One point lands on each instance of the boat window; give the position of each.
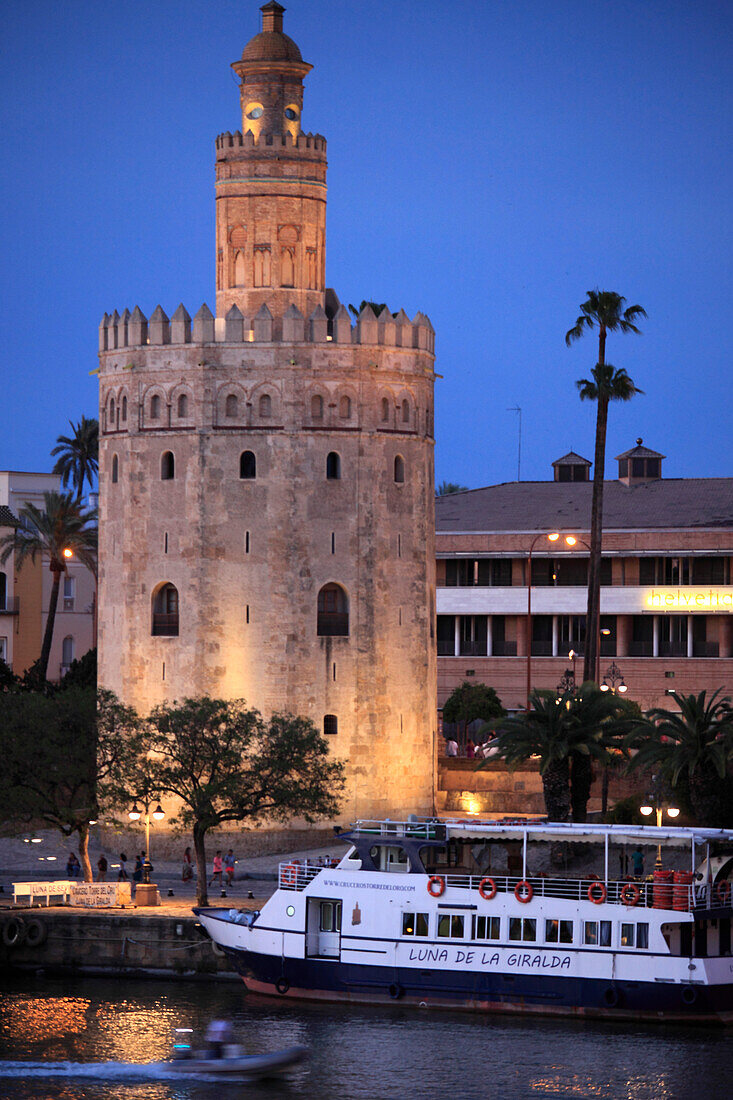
(634, 935)
(486, 928)
(642, 935)
(353, 859)
(597, 933)
(558, 931)
(330, 916)
(388, 858)
(523, 929)
(450, 926)
(414, 924)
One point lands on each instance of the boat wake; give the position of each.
(104, 1071)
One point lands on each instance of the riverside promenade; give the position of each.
(153, 941)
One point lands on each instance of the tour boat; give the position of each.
(488, 916)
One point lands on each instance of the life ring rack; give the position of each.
(630, 894)
(436, 886)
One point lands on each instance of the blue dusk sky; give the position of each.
(489, 163)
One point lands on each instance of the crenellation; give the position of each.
(293, 326)
(122, 341)
(234, 326)
(262, 324)
(159, 331)
(367, 330)
(138, 328)
(203, 326)
(317, 326)
(103, 333)
(180, 331)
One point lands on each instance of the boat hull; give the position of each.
(323, 980)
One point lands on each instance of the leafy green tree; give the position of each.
(604, 310)
(225, 763)
(471, 701)
(60, 530)
(694, 742)
(63, 758)
(82, 672)
(447, 487)
(78, 460)
(567, 733)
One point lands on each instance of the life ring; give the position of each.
(689, 994)
(487, 896)
(395, 991)
(630, 894)
(523, 891)
(14, 932)
(282, 985)
(597, 893)
(436, 886)
(610, 997)
(722, 891)
(36, 933)
(217, 949)
(289, 874)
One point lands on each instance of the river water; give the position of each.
(89, 1038)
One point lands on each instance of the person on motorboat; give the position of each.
(218, 1035)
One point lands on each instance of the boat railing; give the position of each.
(295, 874)
(419, 829)
(625, 892)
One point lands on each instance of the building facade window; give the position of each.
(333, 612)
(265, 405)
(182, 406)
(124, 408)
(231, 405)
(247, 466)
(333, 466)
(405, 412)
(399, 469)
(330, 725)
(3, 591)
(167, 466)
(69, 594)
(155, 407)
(115, 469)
(345, 408)
(165, 612)
(385, 410)
(67, 651)
(316, 407)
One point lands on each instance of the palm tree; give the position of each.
(78, 459)
(603, 309)
(696, 741)
(60, 531)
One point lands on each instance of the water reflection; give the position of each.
(389, 1053)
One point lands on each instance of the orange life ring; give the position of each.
(492, 889)
(436, 886)
(597, 898)
(523, 891)
(722, 891)
(630, 894)
(289, 874)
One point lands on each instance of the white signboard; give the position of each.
(47, 890)
(94, 894)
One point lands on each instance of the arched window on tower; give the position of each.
(287, 267)
(239, 269)
(182, 406)
(399, 469)
(265, 405)
(115, 469)
(247, 466)
(345, 408)
(333, 612)
(333, 466)
(330, 725)
(385, 410)
(124, 408)
(167, 466)
(155, 407)
(316, 407)
(165, 611)
(111, 412)
(405, 412)
(231, 405)
(262, 265)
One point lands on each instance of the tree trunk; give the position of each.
(581, 780)
(202, 893)
(86, 865)
(592, 618)
(556, 789)
(50, 621)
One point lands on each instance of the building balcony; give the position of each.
(333, 624)
(473, 649)
(10, 605)
(165, 625)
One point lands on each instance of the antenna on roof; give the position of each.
(516, 409)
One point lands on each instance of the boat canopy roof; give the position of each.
(431, 829)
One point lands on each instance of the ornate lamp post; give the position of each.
(657, 805)
(147, 891)
(551, 536)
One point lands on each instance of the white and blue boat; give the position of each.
(484, 916)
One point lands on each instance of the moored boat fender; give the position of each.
(611, 997)
(630, 894)
(597, 893)
(689, 994)
(395, 991)
(487, 889)
(523, 891)
(282, 985)
(217, 949)
(36, 933)
(436, 886)
(14, 932)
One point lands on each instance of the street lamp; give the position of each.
(551, 536)
(657, 806)
(134, 815)
(613, 680)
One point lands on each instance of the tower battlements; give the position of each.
(130, 330)
(302, 142)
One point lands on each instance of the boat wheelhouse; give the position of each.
(497, 916)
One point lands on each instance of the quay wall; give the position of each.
(114, 943)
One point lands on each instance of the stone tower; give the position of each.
(266, 475)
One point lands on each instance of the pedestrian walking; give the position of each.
(122, 875)
(216, 869)
(137, 874)
(229, 862)
(102, 868)
(187, 866)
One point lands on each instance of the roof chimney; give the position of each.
(272, 17)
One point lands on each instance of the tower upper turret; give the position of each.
(270, 185)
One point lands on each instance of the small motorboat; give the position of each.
(232, 1062)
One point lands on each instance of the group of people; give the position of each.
(222, 869)
(223, 866)
(472, 751)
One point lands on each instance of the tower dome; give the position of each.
(271, 44)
